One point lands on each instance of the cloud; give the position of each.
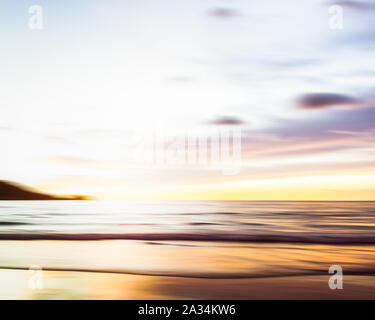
(5, 128)
(359, 5)
(359, 24)
(223, 13)
(350, 120)
(181, 79)
(292, 62)
(335, 130)
(71, 161)
(226, 121)
(325, 100)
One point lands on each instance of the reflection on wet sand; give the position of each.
(85, 285)
(187, 259)
(121, 269)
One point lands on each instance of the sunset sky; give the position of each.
(82, 98)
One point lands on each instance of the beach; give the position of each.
(196, 250)
(120, 269)
(108, 286)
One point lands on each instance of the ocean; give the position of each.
(219, 240)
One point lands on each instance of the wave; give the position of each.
(286, 237)
(212, 275)
(13, 223)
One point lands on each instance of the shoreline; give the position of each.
(108, 286)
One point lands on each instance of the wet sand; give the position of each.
(88, 285)
(182, 270)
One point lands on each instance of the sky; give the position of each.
(88, 101)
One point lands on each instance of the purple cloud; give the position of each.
(359, 5)
(226, 121)
(223, 13)
(325, 100)
(335, 130)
